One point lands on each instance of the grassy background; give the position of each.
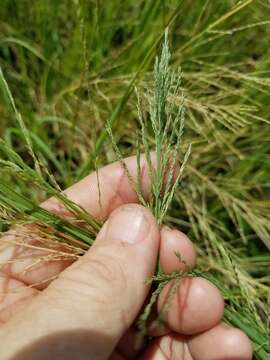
(72, 65)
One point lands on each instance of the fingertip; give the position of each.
(131, 228)
(173, 243)
(171, 346)
(222, 342)
(130, 223)
(196, 306)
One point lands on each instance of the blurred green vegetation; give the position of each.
(72, 65)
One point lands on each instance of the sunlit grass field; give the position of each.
(70, 68)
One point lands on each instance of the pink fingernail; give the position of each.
(128, 224)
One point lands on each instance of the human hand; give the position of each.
(89, 311)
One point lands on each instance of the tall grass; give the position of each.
(69, 68)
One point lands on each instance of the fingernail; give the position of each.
(128, 224)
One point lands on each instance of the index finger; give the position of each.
(101, 192)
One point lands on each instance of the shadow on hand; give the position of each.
(69, 345)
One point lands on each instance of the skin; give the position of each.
(89, 311)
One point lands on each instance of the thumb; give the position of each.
(100, 295)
